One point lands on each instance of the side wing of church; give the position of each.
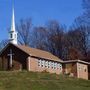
(76, 68)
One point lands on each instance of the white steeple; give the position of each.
(13, 21)
(13, 33)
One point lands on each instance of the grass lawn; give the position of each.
(40, 81)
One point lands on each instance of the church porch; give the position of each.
(13, 58)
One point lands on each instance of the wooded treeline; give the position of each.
(72, 43)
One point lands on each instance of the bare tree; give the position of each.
(78, 38)
(50, 38)
(39, 38)
(84, 19)
(24, 29)
(55, 38)
(74, 54)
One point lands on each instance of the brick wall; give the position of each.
(82, 71)
(33, 66)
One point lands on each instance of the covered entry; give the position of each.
(13, 58)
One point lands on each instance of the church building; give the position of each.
(20, 57)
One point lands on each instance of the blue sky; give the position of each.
(65, 11)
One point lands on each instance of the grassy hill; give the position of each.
(40, 81)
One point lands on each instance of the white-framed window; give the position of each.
(39, 62)
(52, 65)
(55, 65)
(59, 66)
(46, 64)
(11, 35)
(42, 63)
(49, 64)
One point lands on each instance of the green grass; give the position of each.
(40, 81)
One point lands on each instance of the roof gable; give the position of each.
(34, 52)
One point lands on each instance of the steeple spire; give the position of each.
(13, 33)
(13, 20)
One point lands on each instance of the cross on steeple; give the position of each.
(11, 57)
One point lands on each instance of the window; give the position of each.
(42, 63)
(55, 65)
(49, 64)
(46, 64)
(52, 65)
(39, 63)
(59, 66)
(11, 36)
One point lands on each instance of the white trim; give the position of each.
(70, 61)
